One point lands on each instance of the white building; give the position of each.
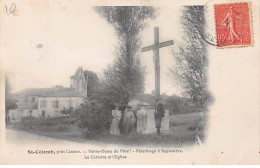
(49, 102)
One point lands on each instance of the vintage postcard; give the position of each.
(129, 82)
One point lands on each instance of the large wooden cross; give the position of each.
(156, 59)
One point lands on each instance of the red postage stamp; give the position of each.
(233, 25)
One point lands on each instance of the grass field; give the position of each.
(181, 121)
(180, 133)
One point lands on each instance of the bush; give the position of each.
(92, 117)
(196, 127)
(59, 123)
(44, 128)
(28, 118)
(60, 128)
(68, 112)
(181, 105)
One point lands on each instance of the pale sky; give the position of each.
(50, 41)
(73, 35)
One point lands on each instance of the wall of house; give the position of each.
(63, 102)
(27, 99)
(32, 99)
(78, 82)
(48, 111)
(17, 114)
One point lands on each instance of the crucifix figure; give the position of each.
(159, 110)
(156, 59)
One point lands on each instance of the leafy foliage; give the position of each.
(125, 77)
(127, 19)
(92, 80)
(28, 118)
(191, 58)
(68, 111)
(181, 105)
(91, 116)
(52, 124)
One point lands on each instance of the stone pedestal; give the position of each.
(150, 126)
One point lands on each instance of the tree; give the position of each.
(191, 58)
(181, 105)
(92, 80)
(10, 102)
(125, 77)
(91, 117)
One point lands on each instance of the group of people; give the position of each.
(134, 122)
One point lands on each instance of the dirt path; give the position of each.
(24, 138)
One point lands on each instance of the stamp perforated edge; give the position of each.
(251, 26)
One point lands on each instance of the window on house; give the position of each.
(43, 113)
(43, 103)
(30, 113)
(33, 99)
(55, 104)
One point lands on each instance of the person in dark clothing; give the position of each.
(159, 114)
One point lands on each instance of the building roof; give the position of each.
(78, 73)
(70, 93)
(27, 105)
(36, 91)
(58, 91)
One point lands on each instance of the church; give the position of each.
(49, 102)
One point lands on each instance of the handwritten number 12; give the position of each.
(11, 9)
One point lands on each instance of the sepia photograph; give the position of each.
(105, 82)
